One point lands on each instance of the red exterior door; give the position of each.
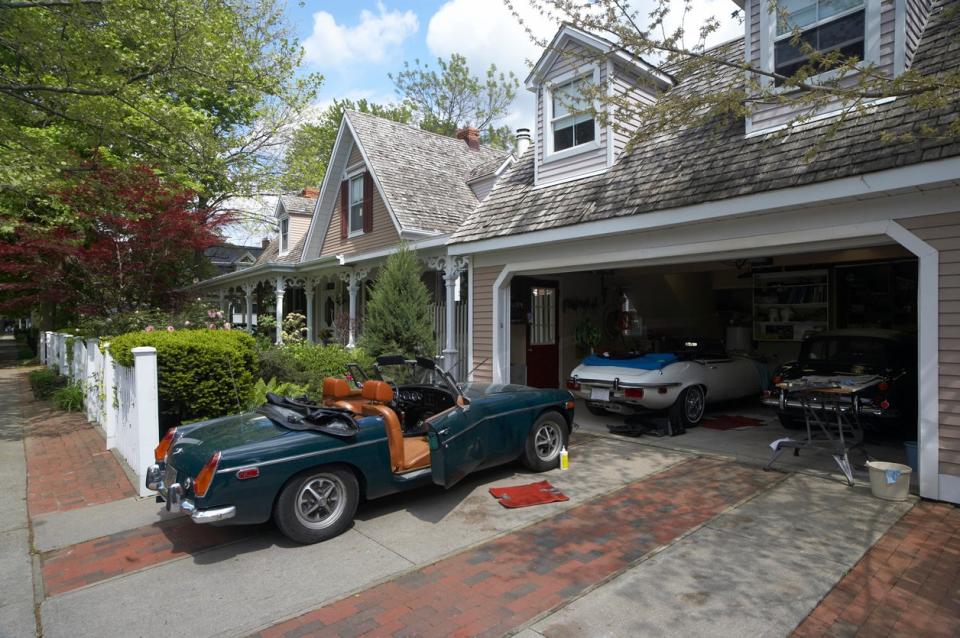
(543, 349)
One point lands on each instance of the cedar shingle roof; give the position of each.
(423, 175)
(271, 252)
(717, 161)
(298, 205)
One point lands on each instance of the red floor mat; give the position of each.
(525, 495)
(727, 422)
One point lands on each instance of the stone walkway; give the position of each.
(908, 584)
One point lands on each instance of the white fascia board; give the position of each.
(316, 222)
(373, 174)
(425, 244)
(926, 174)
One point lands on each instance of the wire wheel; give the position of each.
(320, 501)
(693, 404)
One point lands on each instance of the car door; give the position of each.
(457, 443)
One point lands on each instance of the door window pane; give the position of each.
(543, 316)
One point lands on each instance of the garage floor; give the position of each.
(748, 444)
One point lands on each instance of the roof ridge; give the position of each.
(425, 131)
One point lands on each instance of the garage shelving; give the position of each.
(789, 305)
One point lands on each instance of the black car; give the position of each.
(888, 354)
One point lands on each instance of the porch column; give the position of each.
(280, 289)
(224, 307)
(308, 293)
(353, 279)
(451, 268)
(248, 295)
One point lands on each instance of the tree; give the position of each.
(397, 317)
(306, 156)
(200, 90)
(130, 241)
(451, 98)
(666, 37)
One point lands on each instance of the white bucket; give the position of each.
(889, 481)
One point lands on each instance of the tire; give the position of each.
(687, 410)
(791, 422)
(548, 435)
(299, 516)
(597, 411)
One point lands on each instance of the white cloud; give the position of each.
(485, 32)
(333, 45)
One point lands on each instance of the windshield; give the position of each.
(411, 374)
(860, 351)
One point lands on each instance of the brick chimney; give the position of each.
(313, 193)
(264, 242)
(471, 136)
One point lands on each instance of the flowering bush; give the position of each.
(194, 315)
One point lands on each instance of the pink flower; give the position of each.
(170, 328)
(219, 314)
(226, 326)
(211, 326)
(211, 314)
(149, 329)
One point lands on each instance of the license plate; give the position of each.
(599, 394)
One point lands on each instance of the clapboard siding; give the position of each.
(383, 235)
(631, 86)
(483, 280)
(577, 59)
(916, 20)
(754, 12)
(943, 233)
(773, 115)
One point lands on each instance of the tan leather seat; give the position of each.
(337, 393)
(406, 454)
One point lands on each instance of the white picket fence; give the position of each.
(123, 401)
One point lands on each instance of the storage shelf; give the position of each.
(811, 294)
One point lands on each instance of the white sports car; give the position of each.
(681, 382)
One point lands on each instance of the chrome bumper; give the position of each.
(172, 495)
(793, 404)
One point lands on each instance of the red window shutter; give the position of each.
(367, 203)
(344, 208)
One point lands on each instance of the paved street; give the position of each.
(652, 542)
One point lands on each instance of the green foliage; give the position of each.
(451, 97)
(307, 364)
(294, 328)
(305, 159)
(69, 398)
(398, 318)
(267, 326)
(195, 314)
(260, 389)
(201, 374)
(587, 334)
(44, 382)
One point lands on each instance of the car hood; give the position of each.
(826, 368)
(477, 390)
(196, 442)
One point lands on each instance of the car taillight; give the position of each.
(202, 483)
(883, 386)
(571, 405)
(573, 384)
(777, 379)
(885, 405)
(160, 452)
(633, 393)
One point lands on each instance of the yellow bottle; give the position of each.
(564, 459)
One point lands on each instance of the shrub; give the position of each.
(69, 398)
(397, 317)
(308, 364)
(201, 374)
(260, 389)
(44, 382)
(294, 328)
(192, 315)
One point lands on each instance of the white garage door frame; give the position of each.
(866, 234)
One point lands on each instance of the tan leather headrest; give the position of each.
(377, 391)
(336, 388)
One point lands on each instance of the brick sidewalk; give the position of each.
(500, 585)
(907, 584)
(68, 465)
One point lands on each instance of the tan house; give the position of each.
(704, 231)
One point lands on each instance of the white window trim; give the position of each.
(351, 174)
(549, 155)
(284, 246)
(769, 38)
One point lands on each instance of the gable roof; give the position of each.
(297, 204)
(271, 253)
(716, 161)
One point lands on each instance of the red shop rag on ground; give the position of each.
(525, 495)
(727, 422)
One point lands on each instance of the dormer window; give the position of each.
(356, 205)
(284, 235)
(572, 122)
(827, 26)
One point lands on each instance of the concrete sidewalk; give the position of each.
(17, 616)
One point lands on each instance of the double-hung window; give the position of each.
(284, 234)
(826, 26)
(356, 204)
(573, 121)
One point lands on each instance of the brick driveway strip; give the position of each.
(908, 584)
(500, 585)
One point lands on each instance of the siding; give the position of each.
(573, 58)
(384, 233)
(299, 225)
(916, 20)
(754, 12)
(943, 233)
(771, 116)
(482, 188)
(628, 84)
(483, 280)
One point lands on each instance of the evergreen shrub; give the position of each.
(398, 317)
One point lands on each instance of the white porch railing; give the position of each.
(122, 401)
(460, 319)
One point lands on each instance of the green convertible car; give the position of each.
(308, 465)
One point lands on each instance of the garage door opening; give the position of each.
(748, 323)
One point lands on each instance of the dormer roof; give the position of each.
(568, 32)
(296, 204)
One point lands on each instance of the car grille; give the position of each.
(169, 475)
